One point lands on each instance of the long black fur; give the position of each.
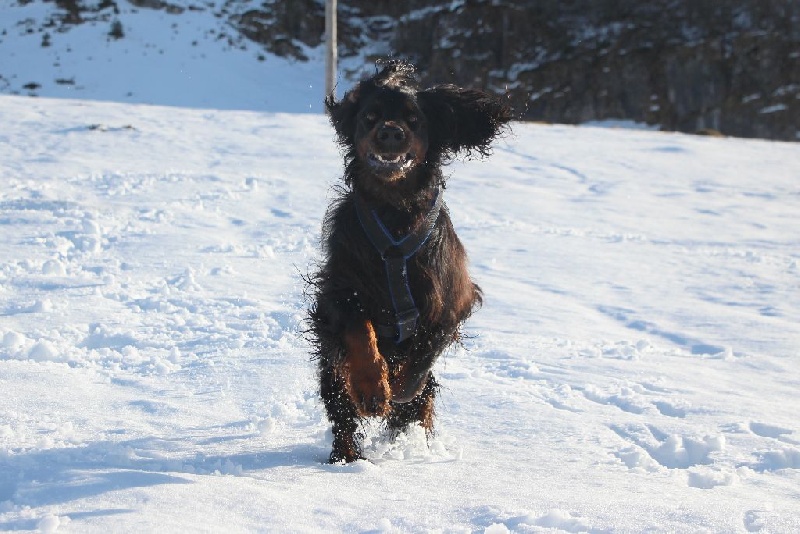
(351, 284)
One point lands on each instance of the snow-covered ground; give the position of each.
(194, 59)
(634, 368)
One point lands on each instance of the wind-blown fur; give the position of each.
(395, 139)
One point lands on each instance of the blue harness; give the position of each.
(395, 254)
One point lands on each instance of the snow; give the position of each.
(773, 109)
(194, 59)
(617, 123)
(634, 367)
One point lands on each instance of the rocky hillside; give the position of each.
(730, 66)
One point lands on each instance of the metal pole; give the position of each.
(330, 47)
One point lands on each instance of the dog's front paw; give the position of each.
(345, 449)
(365, 373)
(368, 388)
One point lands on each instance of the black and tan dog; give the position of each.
(393, 287)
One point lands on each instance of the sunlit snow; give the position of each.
(634, 367)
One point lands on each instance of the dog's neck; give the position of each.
(401, 212)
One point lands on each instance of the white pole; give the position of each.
(330, 47)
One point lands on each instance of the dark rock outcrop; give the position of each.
(731, 66)
(728, 66)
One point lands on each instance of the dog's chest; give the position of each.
(405, 268)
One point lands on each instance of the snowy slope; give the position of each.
(635, 366)
(194, 59)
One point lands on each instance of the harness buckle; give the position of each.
(406, 324)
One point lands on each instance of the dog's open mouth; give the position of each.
(392, 162)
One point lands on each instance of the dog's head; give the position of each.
(391, 129)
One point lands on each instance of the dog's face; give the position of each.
(391, 136)
(398, 135)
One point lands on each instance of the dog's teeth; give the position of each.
(386, 159)
(400, 160)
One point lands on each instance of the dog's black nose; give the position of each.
(391, 137)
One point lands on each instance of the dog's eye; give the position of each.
(412, 120)
(371, 116)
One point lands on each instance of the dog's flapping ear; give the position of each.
(462, 120)
(343, 114)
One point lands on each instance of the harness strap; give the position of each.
(395, 255)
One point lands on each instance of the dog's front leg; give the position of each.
(364, 371)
